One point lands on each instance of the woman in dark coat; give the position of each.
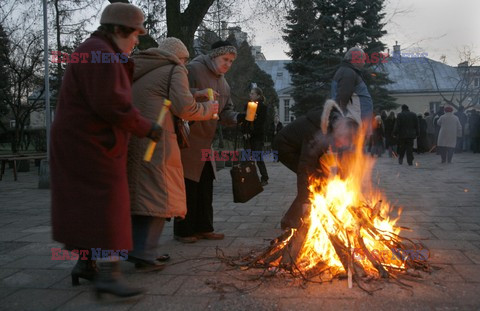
(90, 134)
(275, 127)
(390, 141)
(205, 71)
(257, 135)
(377, 137)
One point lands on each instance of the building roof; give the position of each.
(280, 75)
(412, 75)
(415, 75)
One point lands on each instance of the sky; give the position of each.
(437, 27)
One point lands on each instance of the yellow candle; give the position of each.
(210, 94)
(251, 110)
(161, 116)
(212, 98)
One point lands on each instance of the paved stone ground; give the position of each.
(441, 205)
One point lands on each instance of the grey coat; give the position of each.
(450, 129)
(157, 188)
(203, 74)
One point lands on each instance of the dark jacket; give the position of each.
(474, 122)
(300, 145)
(378, 134)
(303, 138)
(406, 126)
(422, 143)
(89, 139)
(202, 74)
(462, 117)
(348, 87)
(389, 139)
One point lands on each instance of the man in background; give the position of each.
(406, 130)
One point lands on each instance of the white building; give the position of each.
(283, 86)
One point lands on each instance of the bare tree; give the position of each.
(466, 92)
(21, 93)
(69, 22)
(183, 19)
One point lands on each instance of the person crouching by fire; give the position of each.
(302, 143)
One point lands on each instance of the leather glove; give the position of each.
(155, 132)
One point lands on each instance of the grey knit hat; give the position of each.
(174, 46)
(221, 48)
(124, 14)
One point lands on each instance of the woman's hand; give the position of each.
(203, 94)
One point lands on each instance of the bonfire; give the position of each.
(347, 232)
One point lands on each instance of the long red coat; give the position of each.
(89, 139)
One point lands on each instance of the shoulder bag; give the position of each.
(245, 181)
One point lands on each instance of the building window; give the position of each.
(476, 82)
(434, 106)
(286, 110)
(12, 124)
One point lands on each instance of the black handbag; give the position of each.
(182, 129)
(245, 181)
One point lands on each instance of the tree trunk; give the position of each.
(184, 25)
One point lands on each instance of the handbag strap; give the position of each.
(169, 81)
(236, 141)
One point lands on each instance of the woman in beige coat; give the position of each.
(157, 188)
(450, 130)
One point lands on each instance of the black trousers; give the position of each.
(199, 218)
(405, 145)
(446, 153)
(257, 145)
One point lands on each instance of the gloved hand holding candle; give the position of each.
(161, 116)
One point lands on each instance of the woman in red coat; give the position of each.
(93, 121)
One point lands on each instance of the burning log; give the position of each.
(294, 246)
(347, 233)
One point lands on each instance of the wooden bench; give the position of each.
(18, 157)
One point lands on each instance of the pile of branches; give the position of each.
(284, 254)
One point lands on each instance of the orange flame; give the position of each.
(345, 206)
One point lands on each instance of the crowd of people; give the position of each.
(444, 132)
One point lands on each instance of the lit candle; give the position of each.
(251, 110)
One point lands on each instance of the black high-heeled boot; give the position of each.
(109, 280)
(85, 269)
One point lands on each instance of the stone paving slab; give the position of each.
(440, 204)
